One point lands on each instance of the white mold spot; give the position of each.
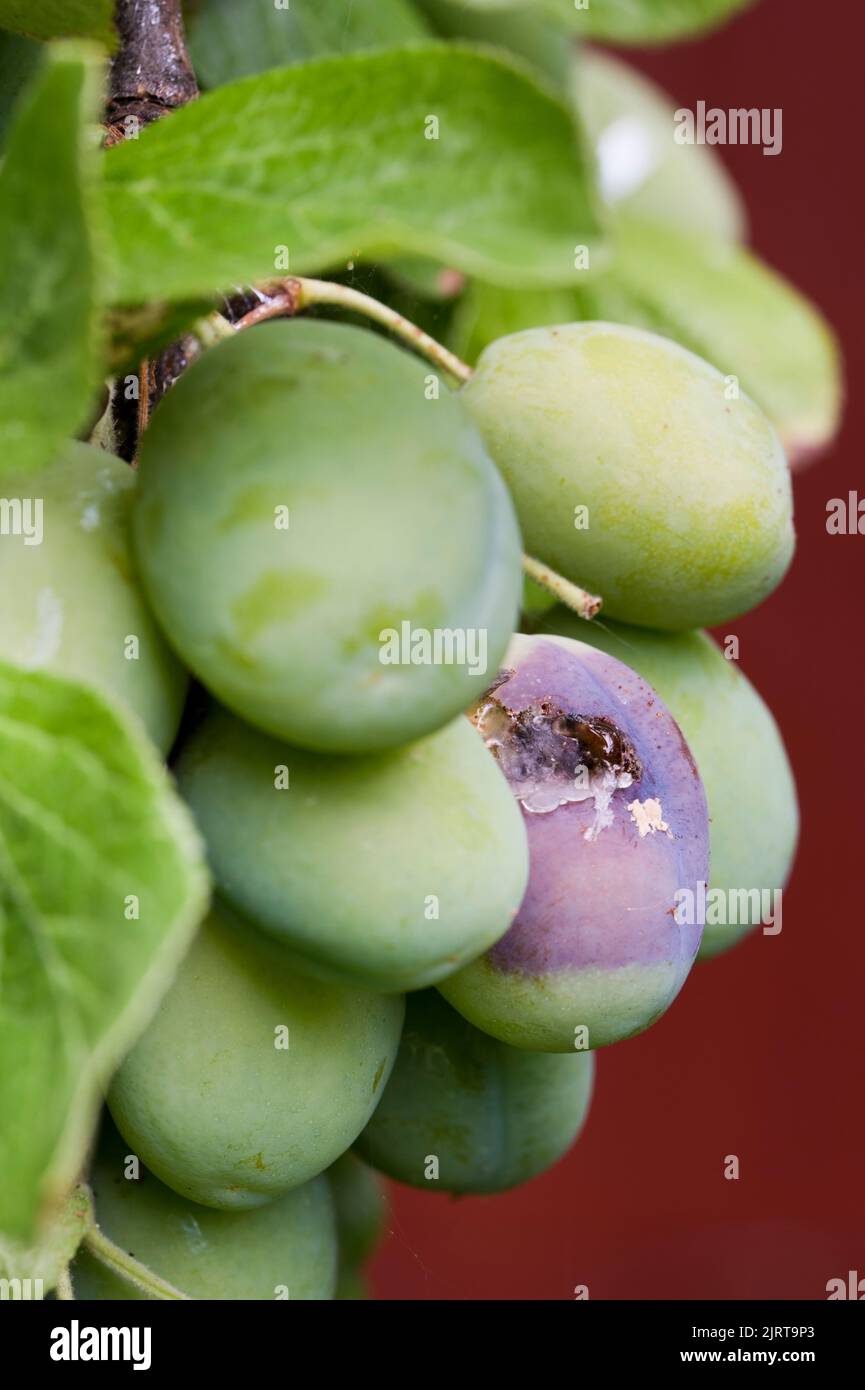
(648, 817)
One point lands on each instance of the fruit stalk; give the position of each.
(584, 604)
(290, 296)
(129, 1268)
(285, 298)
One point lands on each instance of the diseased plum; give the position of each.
(687, 490)
(70, 602)
(753, 811)
(285, 1250)
(388, 871)
(463, 1112)
(250, 1079)
(324, 537)
(616, 818)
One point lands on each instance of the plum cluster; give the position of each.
(503, 840)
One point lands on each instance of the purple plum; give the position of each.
(617, 825)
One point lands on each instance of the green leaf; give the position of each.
(91, 832)
(715, 298)
(641, 169)
(37, 1267)
(624, 21)
(60, 19)
(330, 160)
(521, 30)
(235, 38)
(49, 329)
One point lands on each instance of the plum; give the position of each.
(686, 490)
(251, 1080)
(70, 602)
(361, 1207)
(615, 813)
(753, 812)
(286, 1250)
(388, 871)
(464, 1112)
(361, 1211)
(642, 170)
(324, 538)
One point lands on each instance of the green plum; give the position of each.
(361, 1207)
(361, 1212)
(389, 871)
(637, 470)
(324, 537)
(286, 1250)
(753, 813)
(69, 600)
(251, 1080)
(351, 1285)
(464, 1112)
(641, 168)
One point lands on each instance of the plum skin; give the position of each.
(340, 867)
(214, 1108)
(291, 1243)
(68, 604)
(688, 491)
(361, 1212)
(495, 1116)
(750, 789)
(684, 185)
(300, 495)
(596, 944)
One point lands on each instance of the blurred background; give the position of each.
(762, 1054)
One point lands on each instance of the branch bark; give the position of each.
(151, 73)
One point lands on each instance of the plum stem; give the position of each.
(290, 296)
(127, 1267)
(584, 604)
(285, 298)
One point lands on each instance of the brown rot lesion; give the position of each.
(552, 756)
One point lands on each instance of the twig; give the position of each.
(151, 73)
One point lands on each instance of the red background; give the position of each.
(762, 1054)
